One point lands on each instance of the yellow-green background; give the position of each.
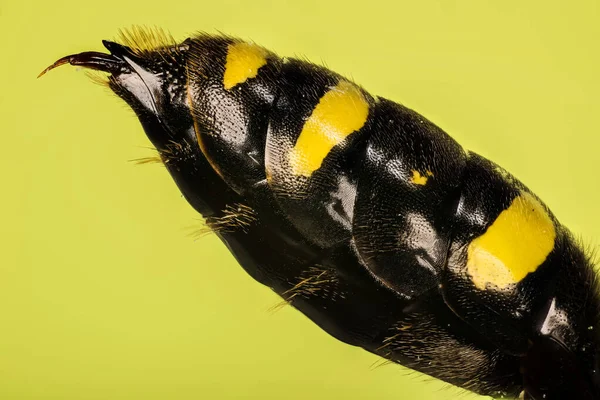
(102, 293)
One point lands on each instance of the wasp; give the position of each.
(365, 216)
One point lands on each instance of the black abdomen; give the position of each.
(365, 216)
(316, 153)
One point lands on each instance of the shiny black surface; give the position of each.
(368, 256)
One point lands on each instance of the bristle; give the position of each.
(590, 250)
(381, 362)
(148, 160)
(431, 355)
(387, 342)
(153, 159)
(198, 233)
(173, 151)
(236, 217)
(276, 307)
(400, 328)
(142, 39)
(97, 77)
(316, 281)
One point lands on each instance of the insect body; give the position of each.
(367, 217)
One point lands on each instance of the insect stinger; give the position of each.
(94, 60)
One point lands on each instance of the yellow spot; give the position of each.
(419, 179)
(243, 62)
(516, 244)
(341, 111)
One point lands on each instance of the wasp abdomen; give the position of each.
(231, 89)
(409, 184)
(367, 217)
(331, 152)
(347, 168)
(314, 148)
(504, 256)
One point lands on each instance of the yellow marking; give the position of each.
(341, 111)
(243, 62)
(516, 244)
(419, 179)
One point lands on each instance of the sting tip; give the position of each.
(58, 63)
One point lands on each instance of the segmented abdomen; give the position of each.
(343, 166)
